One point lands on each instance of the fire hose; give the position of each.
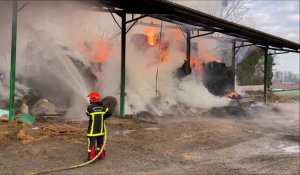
(80, 165)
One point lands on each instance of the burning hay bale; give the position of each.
(184, 70)
(218, 78)
(110, 102)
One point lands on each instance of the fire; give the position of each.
(101, 51)
(206, 57)
(164, 58)
(195, 63)
(98, 51)
(151, 35)
(177, 35)
(164, 55)
(233, 95)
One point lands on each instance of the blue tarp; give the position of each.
(3, 112)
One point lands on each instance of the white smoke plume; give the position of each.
(52, 32)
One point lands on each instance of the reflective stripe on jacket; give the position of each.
(97, 114)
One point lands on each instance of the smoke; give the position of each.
(64, 51)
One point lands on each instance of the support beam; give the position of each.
(132, 26)
(188, 52)
(202, 35)
(245, 45)
(135, 19)
(238, 48)
(123, 66)
(276, 53)
(266, 75)
(112, 15)
(13, 62)
(233, 63)
(279, 49)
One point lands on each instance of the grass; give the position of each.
(295, 94)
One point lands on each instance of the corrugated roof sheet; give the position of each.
(166, 10)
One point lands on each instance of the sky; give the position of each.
(280, 18)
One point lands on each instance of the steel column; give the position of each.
(13, 62)
(266, 75)
(233, 63)
(123, 65)
(188, 51)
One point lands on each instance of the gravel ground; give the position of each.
(266, 142)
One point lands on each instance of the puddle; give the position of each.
(292, 149)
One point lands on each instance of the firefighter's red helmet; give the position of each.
(94, 97)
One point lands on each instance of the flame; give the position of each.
(98, 51)
(151, 35)
(165, 58)
(206, 57)
(177, 35)
(195, 64)
(233, 95)
(101, 51)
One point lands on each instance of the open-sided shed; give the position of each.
(190, 21)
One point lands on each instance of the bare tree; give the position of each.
(234, 10)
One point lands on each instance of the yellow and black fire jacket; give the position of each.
(97, 113)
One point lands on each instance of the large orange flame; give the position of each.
(206, 57)
(151, 36)
(98, 51)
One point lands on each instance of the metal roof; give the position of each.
(172, 12)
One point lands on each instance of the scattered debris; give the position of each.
(3, 135)
(50, 115)
(58, 129)
(74, 121)
(246, 102)
(27, 118)
(25, 137)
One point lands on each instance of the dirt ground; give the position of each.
(265, 142)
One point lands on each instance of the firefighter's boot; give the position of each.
(103, 154)
(92, 154)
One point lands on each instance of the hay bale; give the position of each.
(43, 106)
(110, 102)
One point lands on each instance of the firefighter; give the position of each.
(97, 113)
